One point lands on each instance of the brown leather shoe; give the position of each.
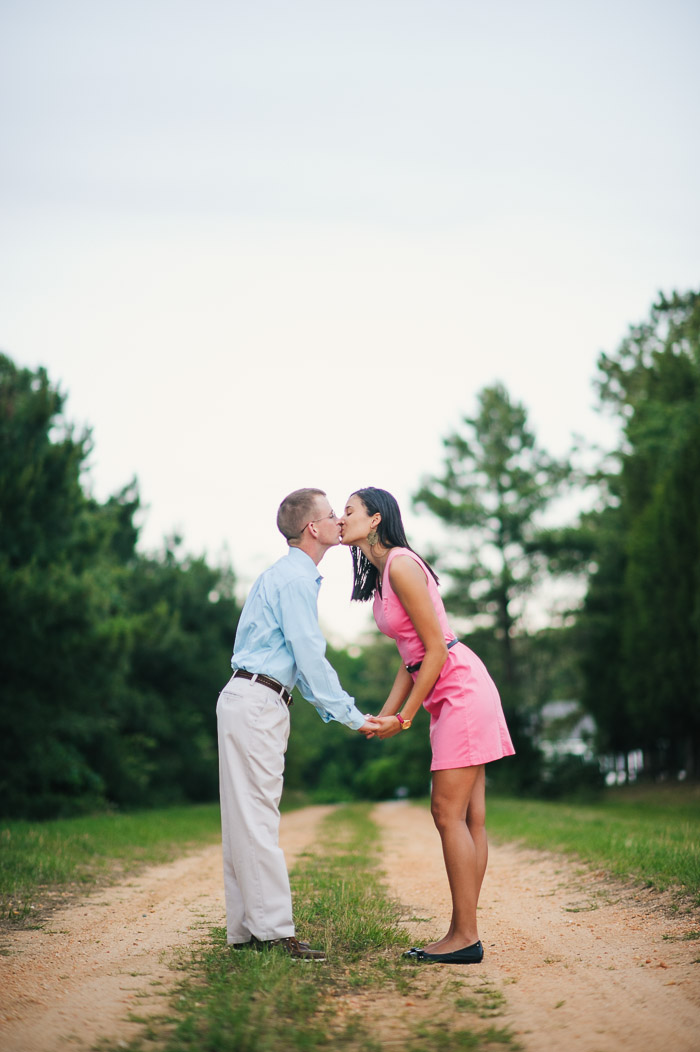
(300, 951)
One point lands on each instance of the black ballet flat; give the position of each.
(473, 954)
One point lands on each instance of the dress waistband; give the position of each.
(414, 668)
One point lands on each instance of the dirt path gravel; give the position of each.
(584, 965)
(77, 979)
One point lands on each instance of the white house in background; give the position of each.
(565, 730)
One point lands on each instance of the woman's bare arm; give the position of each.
(410, 585)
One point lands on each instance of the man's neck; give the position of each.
(311, 548)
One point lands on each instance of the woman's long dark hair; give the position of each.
(391, 534)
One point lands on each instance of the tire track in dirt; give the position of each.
(584, 963)
(75, 980)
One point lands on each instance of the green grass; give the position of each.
(339, 900)
(247, 1001)
(651, 834)
(40, 860)
(38, 856)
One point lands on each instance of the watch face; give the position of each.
(406, 724)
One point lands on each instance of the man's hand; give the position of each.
(369, 729)
(385, 726)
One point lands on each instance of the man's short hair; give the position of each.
(294, 512)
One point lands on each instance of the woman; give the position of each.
(467, 726)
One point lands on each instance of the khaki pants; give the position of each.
(253, 725)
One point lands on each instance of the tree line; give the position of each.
(641, 621)
(111, 659)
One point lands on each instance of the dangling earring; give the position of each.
(372, 537)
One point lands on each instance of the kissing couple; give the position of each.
(279, 645)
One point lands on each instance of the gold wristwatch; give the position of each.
(405, 724)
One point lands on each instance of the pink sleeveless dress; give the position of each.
(467, 725)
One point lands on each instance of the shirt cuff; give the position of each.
(355, 720)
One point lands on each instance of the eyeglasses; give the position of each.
(331, 516)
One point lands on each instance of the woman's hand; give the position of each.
(385, 726)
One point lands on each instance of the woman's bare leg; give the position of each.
(457, 805)
(476, 822)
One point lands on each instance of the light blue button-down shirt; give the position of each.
(278, 635)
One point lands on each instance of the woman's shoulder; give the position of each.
(403, 564)
(395, 553)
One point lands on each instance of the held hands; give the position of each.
(380, 727)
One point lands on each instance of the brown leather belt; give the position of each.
(267, 681)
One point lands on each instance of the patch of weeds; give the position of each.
(688, 936)
(339, 901)
(15, 912)
(437, 1037)
(467, 1004)
(453, 986)
(486, 1001)
(243, 1001)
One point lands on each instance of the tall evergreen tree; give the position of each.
(644, 599)
(494, 484)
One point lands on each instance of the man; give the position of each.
(278, 644)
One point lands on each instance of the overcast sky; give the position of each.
(271, 244)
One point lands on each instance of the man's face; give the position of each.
(326, 522)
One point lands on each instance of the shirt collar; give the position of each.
(305, 562)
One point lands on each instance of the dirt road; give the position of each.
(77, 979)
(584, 965)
